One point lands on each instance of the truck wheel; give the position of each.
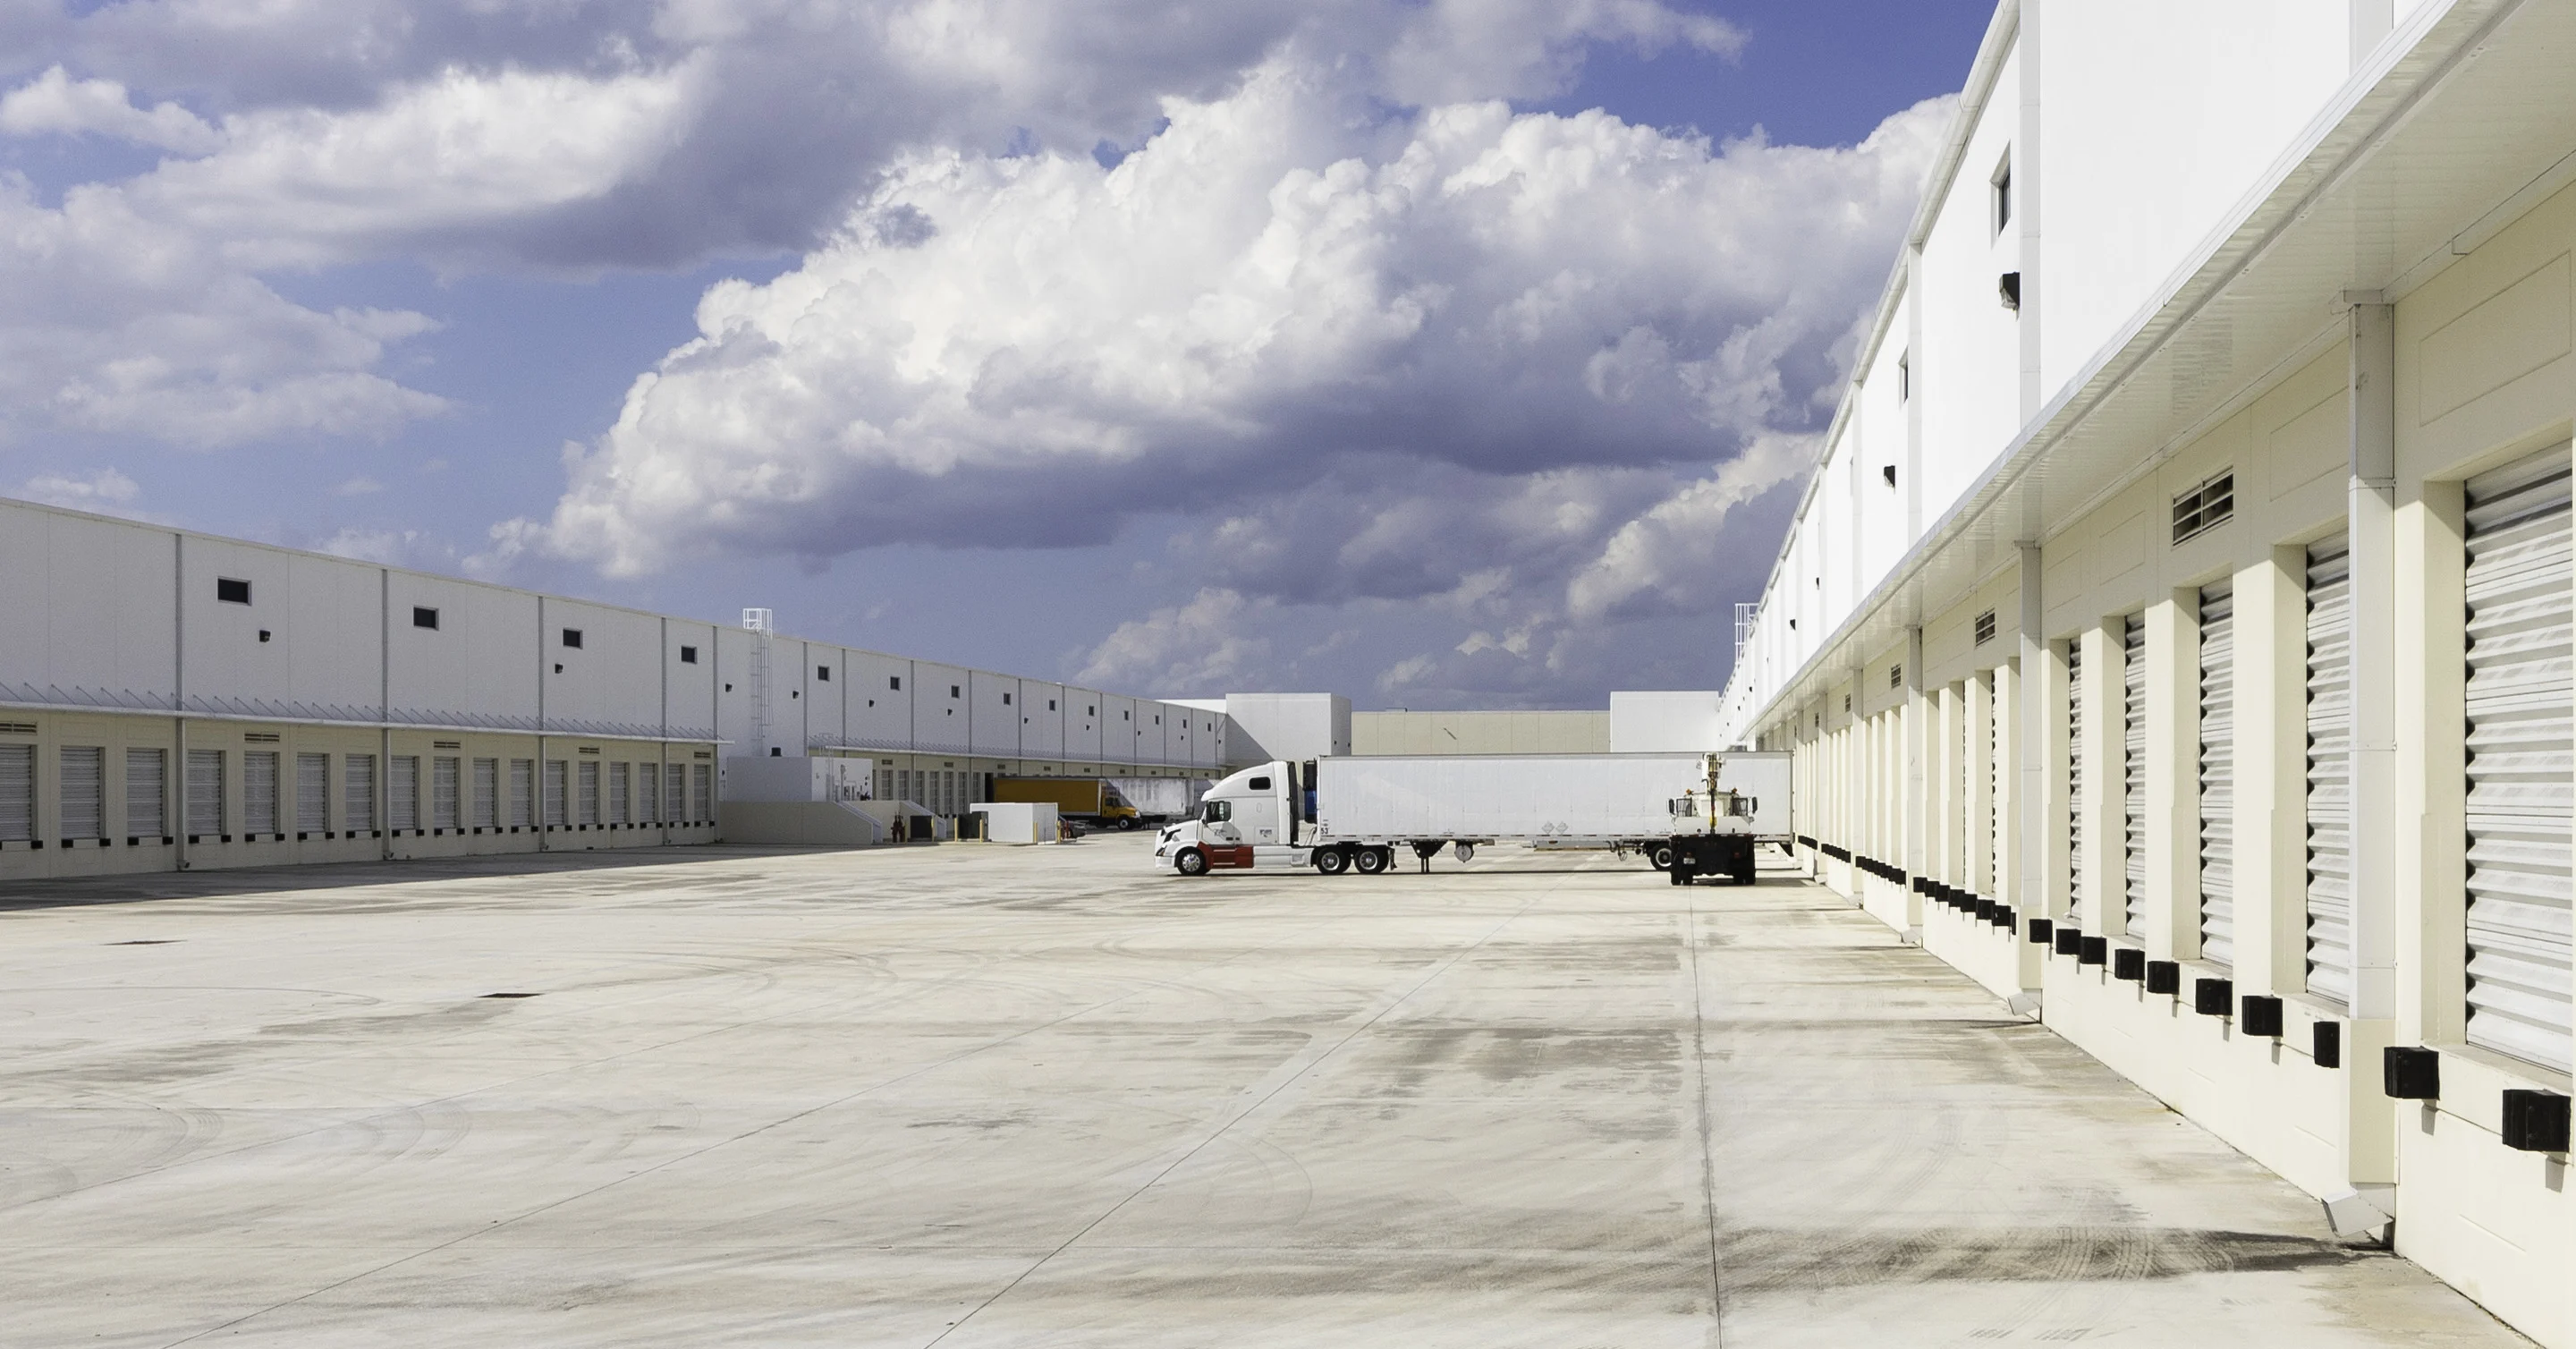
(1332, 861)
(1371, 861)
(1127, 822)
(1191, 862)
(1661, 855)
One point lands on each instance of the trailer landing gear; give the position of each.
(1426, 849)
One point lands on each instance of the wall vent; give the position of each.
(1985, 627)
(2205, 507)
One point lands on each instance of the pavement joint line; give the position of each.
(1312, 1062)
(1707, 1145)
(692, 1154)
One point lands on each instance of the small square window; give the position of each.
(894, 683)
(688, 655)
(1006, 700)
(1050, 704)
(424, 618)
(572, 638)
(823, 674)
(229, 591)
(953, 692)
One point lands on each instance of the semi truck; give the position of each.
(1689, 815)
(1073, 798)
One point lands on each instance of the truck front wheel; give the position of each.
(1126, 821)
(1191, 862)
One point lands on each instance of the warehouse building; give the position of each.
(174, 700)
(2175, 636)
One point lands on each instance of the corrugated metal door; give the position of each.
(17, 793)
(2218, 774)
(2519, 749)
(312, 792)
(617, 800)
(2075, 849)
(676, 789)
(523, 793)
(557, 786)
(147, 793)
(259, 792)
(84, 791)
(205, 791)
(358, 793)
(2330, 770)
(589, 804)
(402, 792)
(487, 793)
(702, 792)
(648, 793)
(2133, 774)
(1995, 864)
(444, 788)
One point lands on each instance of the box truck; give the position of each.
(1160, 800)
(1073, 798)
(1689, 814)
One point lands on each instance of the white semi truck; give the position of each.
(1689, 814)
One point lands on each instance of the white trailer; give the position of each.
(1160, 799)
(1685, 812)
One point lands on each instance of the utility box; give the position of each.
(1018, 821)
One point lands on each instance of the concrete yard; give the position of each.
(969, 1096)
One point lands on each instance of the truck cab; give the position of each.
(1249, 821)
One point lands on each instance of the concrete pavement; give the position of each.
(971, 1096)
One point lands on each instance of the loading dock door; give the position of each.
(2329, 770)
(2133, 774)
(2218, 774)
(2519, 748)
(2075, 783)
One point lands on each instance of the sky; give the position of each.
(1442, 353)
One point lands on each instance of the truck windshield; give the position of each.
(1216, 812)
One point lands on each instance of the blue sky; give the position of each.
(975, 397)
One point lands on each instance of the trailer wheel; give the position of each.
(1371, 861)
(1332, 861)
(1191, 862)
(1660, 856)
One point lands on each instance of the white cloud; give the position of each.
(1199, 645)
(1669, 559)
(55, 102)
(99, 491)
(111, 322)
(1260, 294)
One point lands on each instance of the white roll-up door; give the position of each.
(402, 792)
(523, 793)
(487, 793)
(17, 793)
(312, 792)
(2075, 850)
(648, 793)
(259, 792)
(2133, 773)
(2519, 788)
(358, 793)
(2218, 774)
(702, 792)
(558, 784)
(617, 798)
(84, 788)
(2329, 792)
(205, 791)
(589, 803)
(675, 790)
(445, 787)
(147, 793)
